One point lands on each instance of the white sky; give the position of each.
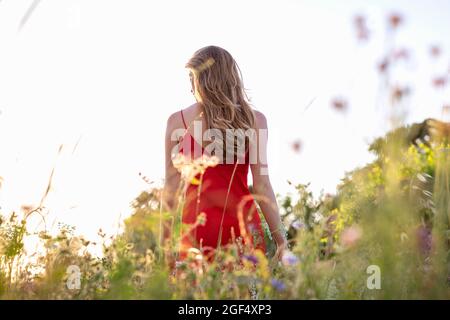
(108, 73)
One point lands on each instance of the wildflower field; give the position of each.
(390, 216)
(384, 234)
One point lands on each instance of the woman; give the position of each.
(220, 194)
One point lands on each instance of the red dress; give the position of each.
(227, 203)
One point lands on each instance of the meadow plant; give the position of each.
(384, 234)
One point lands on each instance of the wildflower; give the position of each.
(85, 242)
(201, 219)
(395, 19)
(98, 269)
(398, 93)
(383, 65)
(193, 251)
(195, 254)
(181, 163)
(278, 285)
(189, 169)
(101, 233)
(251, 258)
(209, 161)
(289, 259)
(359, 20)
(317, 216)
(339, 104)
(263, 265)
(440, 81)
(149, 256)
(297, 225)
(198, 257)
(401, 54)
(296, 146)
(362, 32)
(75, 244)
(26, 209)
(435, 51)
(350, 236)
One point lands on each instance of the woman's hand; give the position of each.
(282, 247)
(281, 242)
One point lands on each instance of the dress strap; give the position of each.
(182, 117)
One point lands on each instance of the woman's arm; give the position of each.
(172, 176)
(263, 188)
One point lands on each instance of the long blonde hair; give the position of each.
(220, 90)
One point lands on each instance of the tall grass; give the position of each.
(383, 235)
(391, 213)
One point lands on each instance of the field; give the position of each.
(384, 234)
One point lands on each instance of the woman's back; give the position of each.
(221, 195)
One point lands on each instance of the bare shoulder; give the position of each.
(260, 119)
(174, 120)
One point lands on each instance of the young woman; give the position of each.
(221, 193)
